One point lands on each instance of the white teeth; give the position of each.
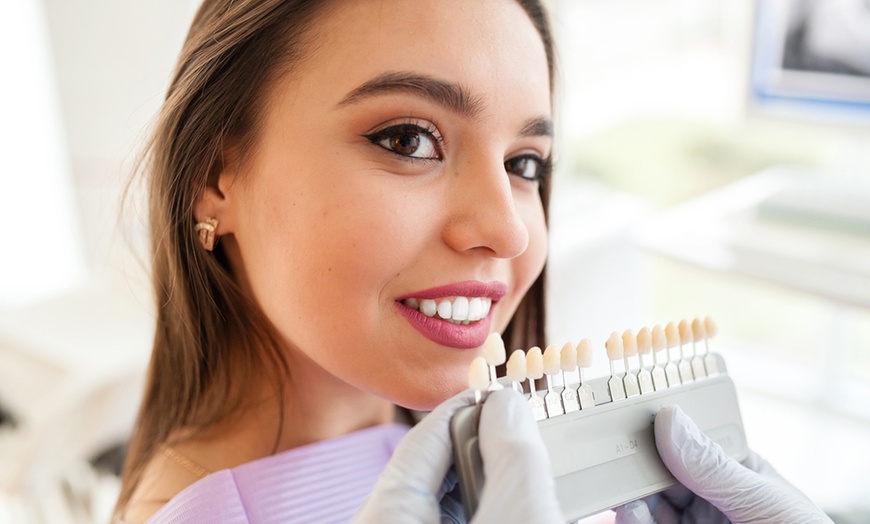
(475, 309)
(461, 310)
(487, 303)
(445, 309)
(427, 307)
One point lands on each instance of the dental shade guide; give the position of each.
(494, 353)
(535, 370)
(659, 343)
(684, 366)
(644, 347)
(603, 455)
(615, 384)
(710, 361)
(568, 363)
(585, 396)
(629, 349)
(698, 334)
(552, 367)
(672, 372)
(516, 369)
(478, 379)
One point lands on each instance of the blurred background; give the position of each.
(714, 159)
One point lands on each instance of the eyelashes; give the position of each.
(410, 140)
(418, 141)
(529, 167)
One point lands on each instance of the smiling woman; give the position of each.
(370, 190)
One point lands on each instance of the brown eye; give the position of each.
(406, 144)
(408, 140)
(528, 167)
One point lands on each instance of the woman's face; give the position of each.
(394, 177)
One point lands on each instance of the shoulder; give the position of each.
(164, 477)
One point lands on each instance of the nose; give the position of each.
(483, 211)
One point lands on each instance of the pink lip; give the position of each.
(448, 334)
(468, 288)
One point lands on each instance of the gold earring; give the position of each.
(206, 231)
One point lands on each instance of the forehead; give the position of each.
(490, 47)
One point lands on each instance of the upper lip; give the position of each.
(469, 288)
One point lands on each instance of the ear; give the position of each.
(217, 199)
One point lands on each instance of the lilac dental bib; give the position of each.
(323, 482)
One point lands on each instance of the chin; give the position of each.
(423, 398)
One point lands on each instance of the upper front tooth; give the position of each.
(428, 307)
(460, 309)
(445, 309)
(487, 304)
(475, 309)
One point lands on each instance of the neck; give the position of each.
(316, 410)
(316, 406)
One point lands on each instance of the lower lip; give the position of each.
(446, 333)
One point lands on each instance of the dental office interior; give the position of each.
(713, 160)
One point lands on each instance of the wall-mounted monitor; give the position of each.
(811, 60)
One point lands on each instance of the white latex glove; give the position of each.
(715, 487)
(519, 483)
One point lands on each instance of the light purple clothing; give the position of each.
(323, 482)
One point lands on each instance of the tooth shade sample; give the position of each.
(478, 374)
(516, 366)
(698, 330)
(584, 353)
(685, 332)
(659, 341)
(644, 341)
(629, 343)
(493, 350)
(710, 327)
(672, 335)
(534, 363)
(568, 357)
(552, 362)
(614, 346)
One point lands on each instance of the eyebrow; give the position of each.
(448, 94)
(451, 95)
(538, 127)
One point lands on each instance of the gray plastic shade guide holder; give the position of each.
(606, 456)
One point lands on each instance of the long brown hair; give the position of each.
(211, 339)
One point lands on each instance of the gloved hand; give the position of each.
(715, 487)
(519, 483)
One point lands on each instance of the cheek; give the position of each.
(536, 254)
(527, 267)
